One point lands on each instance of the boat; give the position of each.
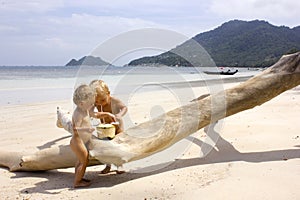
(228, 72)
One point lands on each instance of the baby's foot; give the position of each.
(106, 170)
(83, 183)
(120, 172)
(86, 180)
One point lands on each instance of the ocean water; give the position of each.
(31, 84)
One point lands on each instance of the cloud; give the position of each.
(30, 5)
(275, 11)
(8, 28)
(51, 37)
(135, 5)
(93, 29)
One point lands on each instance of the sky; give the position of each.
(52, 32)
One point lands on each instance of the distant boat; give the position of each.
(228, 72)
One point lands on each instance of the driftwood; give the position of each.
(162, 132)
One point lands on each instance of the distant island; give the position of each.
(234, 44)
(87, 60)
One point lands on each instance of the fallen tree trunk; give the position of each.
(162, 132)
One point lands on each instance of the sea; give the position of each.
(33, 84)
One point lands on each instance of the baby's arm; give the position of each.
(78, 121)
(85, 129)
(121, 107)
(102, 115)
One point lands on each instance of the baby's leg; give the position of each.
(79, 181)
(82, 154)
(120, 170)
(119, 127)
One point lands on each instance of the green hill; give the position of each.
(234, 43)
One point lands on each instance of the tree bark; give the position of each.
(162, 132)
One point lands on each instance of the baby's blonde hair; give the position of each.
(100, 87)
(83, 93)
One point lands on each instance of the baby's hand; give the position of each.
(118, 117)
(112, 116)
(91, 130)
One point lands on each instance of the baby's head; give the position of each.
(84, 96)
(102, 92)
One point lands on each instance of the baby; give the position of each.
(84, 98)
(104, 102)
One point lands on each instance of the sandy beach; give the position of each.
(257, 156)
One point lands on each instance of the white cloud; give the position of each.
(135, 4)
(94, 29)
(275, 11)
(72, 36)
(8, 28)
(55, 42)
(30, 5)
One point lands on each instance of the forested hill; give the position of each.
(234, 43)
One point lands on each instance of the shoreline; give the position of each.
(37, 94)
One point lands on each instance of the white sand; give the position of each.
(258, 157)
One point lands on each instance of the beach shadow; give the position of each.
(223, 152)
(54, 182)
